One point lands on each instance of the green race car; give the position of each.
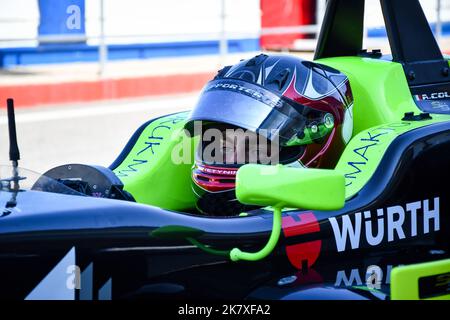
(354, 207)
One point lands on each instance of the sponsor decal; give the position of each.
(219, 171)
(432, 99)
(434, 286)
(432, 96)
(440, 106)
(371, 140)
(385, 225)
(265, 97)
(304, 254)
(151, 145)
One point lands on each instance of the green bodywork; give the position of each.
(381, 98)
(281, 187)
(155, 171)
(237, 254)
(433, 277)
(365, 151)
(380, 90)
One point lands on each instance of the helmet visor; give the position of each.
(252, 107)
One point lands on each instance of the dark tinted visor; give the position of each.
(250, 107)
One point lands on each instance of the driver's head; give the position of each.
(266, 110)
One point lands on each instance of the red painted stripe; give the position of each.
(299, 252)
(58, 93)
(307, 224)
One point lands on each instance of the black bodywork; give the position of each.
(112, 237)
(107, 243)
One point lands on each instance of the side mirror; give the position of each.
(279, 187)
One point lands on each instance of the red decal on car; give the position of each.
(301, 224)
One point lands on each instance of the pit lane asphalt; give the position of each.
(89, 133)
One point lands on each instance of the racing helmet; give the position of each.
(294, 112)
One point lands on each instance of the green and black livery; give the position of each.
(376, 226)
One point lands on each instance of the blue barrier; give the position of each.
(67, 53)
(58, 53)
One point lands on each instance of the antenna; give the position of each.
(14, 154)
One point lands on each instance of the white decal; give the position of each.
(395, 224)
(348, 230)
(430, 214)
(371, 239)
(435, 95)
(392, 220)
(413, 207)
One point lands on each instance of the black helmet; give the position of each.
(293, 111)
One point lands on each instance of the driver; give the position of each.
(274, 109)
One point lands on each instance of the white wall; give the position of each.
(164, 20)
(19, 19)
(171, 20)
(159, 20)
(374, 17)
